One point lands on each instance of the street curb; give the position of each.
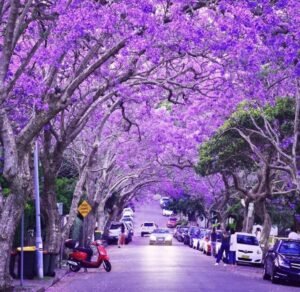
(35, 287)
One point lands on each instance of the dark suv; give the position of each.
(192, 232)
(282, 262)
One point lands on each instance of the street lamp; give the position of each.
(38, 237)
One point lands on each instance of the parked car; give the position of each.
(197, 239)
(161, 236)
(114, 231)
(164, 201)
(179, 232)
(127, 218)
(128, 212)
(147, 228)
(192, 233)
(166, 212)
(172, 222)
(282, 262)
(207, 243)
(248, 249)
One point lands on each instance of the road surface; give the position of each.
(139, 267)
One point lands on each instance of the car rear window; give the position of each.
(115, 226)
(247, 239)
(290, 248)
(173, 219)
(148, 224)
(161, 231)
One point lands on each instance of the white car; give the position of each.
(163, 200)
(147, 228)
(161, 236)
(166, 212)
(115, 230)
(248, 249)
(128, 212)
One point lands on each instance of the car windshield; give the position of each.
(115, 226)
(194, 230)
(247, 239)
(148, 224)
(126, 219)
(290, 248)
(161, 231)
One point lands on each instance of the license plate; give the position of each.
(245, 257)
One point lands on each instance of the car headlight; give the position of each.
(152, 237)
(168, 238)
(281, 262)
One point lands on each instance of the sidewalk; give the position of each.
(37, 285)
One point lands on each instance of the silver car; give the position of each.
(161, 236)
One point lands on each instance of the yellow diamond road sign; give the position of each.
(84, 209)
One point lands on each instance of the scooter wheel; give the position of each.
(107, 265)
(74, 268)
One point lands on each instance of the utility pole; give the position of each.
(38, 238)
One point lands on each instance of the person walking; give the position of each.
(224, 247)
(213, 240)
(121, 240)
(232, 249)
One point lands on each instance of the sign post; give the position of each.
(84, 209)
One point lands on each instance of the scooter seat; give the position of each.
(88, 251)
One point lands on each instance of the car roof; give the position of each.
(244, 233)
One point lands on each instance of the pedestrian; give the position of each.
(258, 233)
(232, 248)
(225, 243)
(213, 240)
(121, 240)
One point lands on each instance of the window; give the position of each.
(247, 239)
(148, 224)
(290, 248)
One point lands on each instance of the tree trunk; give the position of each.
(9, 219)
(102, 217)
(248, 221)
(52, 217)
(263, 213)
(74, 205)
(89, 225)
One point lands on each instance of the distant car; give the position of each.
(179, 232)
(248, 249)
(128, 212)
(188, 237)
(147, 228)
(172, 222)
(164, 201)
(166, 212)
(127, 219)
(114, 232)
(196, 240)
(161, 236)
(282, 262)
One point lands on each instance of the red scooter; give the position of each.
(84, 257)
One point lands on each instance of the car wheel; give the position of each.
(265, 275)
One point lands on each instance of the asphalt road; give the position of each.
(139, 267)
